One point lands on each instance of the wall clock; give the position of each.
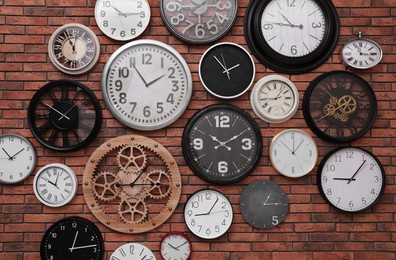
(274, 99)
(199, 21)
(146, 85)
(264, 204)
(291, 36)
(74, 48)
(339, 106)
(226, 70)
(122, 20)
(17, 158)
(222, 144)
(361, 53)
(175, 245)
(132, 251)
(72, 238)
(64, 115)
(208, 214)
(132, 184)
(55, 185)
(293, 153)
(351, 179)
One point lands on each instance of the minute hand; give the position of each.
(235, 137)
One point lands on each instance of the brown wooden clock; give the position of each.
(132, 184)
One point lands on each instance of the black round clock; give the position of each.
(339, 106)
(222, 144)
(64, 115)
(291, 36)
(226, 70)
(72, 238)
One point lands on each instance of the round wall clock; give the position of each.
(55, 185)
(64, 115)
(208, 214)
(293, 153)
(132, 184)
(274, 99)
(199, 21)
(72, 238)
(122, 20)
(74, 48)
(222, 144)
(175, 245)
(132, 251)
(17, 158)
(264, 204)
(291, 36)
(351, 179)
(339, 106)
(146, 84)
(226, 70)
(361, 53)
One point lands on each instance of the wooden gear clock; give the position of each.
(132, 184)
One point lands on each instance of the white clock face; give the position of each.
(17, 158)
(293, 153)
(147, 85)
(362, 53)
(55, 185)
(293, 28)
(175, 246)
(208, 214)
(351, 179)
(132, 251)
(122, 20)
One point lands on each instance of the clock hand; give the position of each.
(329, 113)
(287, 147)
(133, 183)
(56, 181)
(234, 67)
(82, 247)
(9, 157)
(74, 242)
(67, 112)
(343, 179)
(285, 24)
(280, 91)
(176, 248)
(214, 138)
(182, 244)
(275, 204)
(73, 45)
(293, 146)
(228, 73)
(298, 146)
(17, 153)
(292, 25)
(152, 82)
(213, 205)
(118, 11)
(57, 111)
(235, 136)
(265, 202)
(50, 182)
(358, 170)
(140, 75)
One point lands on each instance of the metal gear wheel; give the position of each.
(132, 184)
(132, 158)
(132, 211)
(105, 186)
(347, 104)
(344, 118)
(329, 110)
(333, 100)
(158, 184)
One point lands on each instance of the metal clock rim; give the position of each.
(168, 48)
(323, 162)
(204, 56)
(178, 233)
(364, 67)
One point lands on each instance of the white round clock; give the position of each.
(208, 214)
(274, 99)
(146, 84)
(17, 158)
(132, 251)
(122, 20)
(175, 245)
(293, 153)
(55, 185)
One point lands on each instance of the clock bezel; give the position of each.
(177, 233)
(364, 67)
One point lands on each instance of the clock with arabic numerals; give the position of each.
(339, 106)
(132, 251)
(64, 115)
(222, 144)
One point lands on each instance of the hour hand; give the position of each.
(221, 64)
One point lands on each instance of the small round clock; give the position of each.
(264, 204)
(222, 144)
(274, 99)
(226, 70)
(199, 21)
(72, 238)
(175, 245)
(361, 53)
(351, 179)
(74, 48)
(132, 251)
(146, 84)
(55, 185)
(17, 158)
(208, 214)
(122, 20)
(293, 153)
(339, 106)
(291, 36)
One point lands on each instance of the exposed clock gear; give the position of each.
(132, 211)
(104, 186)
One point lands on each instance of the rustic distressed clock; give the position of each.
(132, 184)
(175, 245)
(74, 49)
(132, 251)
(146, 84)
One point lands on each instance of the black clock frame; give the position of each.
(290, 65)
(190, 160)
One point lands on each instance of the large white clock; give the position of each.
(146, 84)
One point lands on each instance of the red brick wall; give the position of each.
(312, 229)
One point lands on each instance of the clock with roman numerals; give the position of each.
(64, 115)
